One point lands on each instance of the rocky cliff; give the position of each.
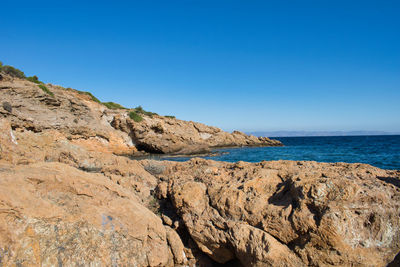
(68, 199)
(77, 117)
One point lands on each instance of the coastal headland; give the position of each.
(70, 196)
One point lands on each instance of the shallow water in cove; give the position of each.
(380, 151)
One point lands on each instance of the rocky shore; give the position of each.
(68, 197)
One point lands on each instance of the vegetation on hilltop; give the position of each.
(45, 89)
(140, 110)
(10, 70)
(92, 97)
(14, 72)
(113, 105)
(34, 79)
(134, 114)
(95, 99)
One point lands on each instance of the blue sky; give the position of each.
(249, 65)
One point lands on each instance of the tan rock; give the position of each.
(73, 115)
(312, 213)
(162, 190)
(171, 136)
(176, 245)
(255, 247)
(8, 142)
(53, 214)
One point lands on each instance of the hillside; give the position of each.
(82, 119)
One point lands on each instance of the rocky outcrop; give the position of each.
(63, 205)
(67, 210)
(72, 115)
(288, 213)
(171, 136)
(53, 214)
(89, 124)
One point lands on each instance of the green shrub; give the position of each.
(112, 105)
(95, 99)
(10, 70)
(45, 89)
(171, 117)
(140, 110)
(34, 79)
(134, 116)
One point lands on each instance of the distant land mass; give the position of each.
(318, 133)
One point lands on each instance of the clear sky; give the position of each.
(249, 65)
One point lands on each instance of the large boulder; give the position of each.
(53, 214)
(289, 213)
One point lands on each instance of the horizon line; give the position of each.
(320, 133)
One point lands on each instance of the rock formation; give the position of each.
(68, 198)
(90, 124)
(171, 136)
(287, 213)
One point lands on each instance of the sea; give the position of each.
(382, 151)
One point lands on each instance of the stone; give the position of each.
(163, 135)
(162, 190)
(8, 142)
(7, 106)
(176, 245)
(288, 213)
(255, 247)
(53, 214)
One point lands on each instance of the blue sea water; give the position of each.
(380, 151)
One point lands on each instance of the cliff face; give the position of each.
(67, 199)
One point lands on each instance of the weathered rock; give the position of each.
(176, 245)
(255, 247)
(7, 106)
(52, 214)
(171, 136)
(73, 115)
(289, 213)
(8, 141)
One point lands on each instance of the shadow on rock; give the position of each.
(390, 180)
